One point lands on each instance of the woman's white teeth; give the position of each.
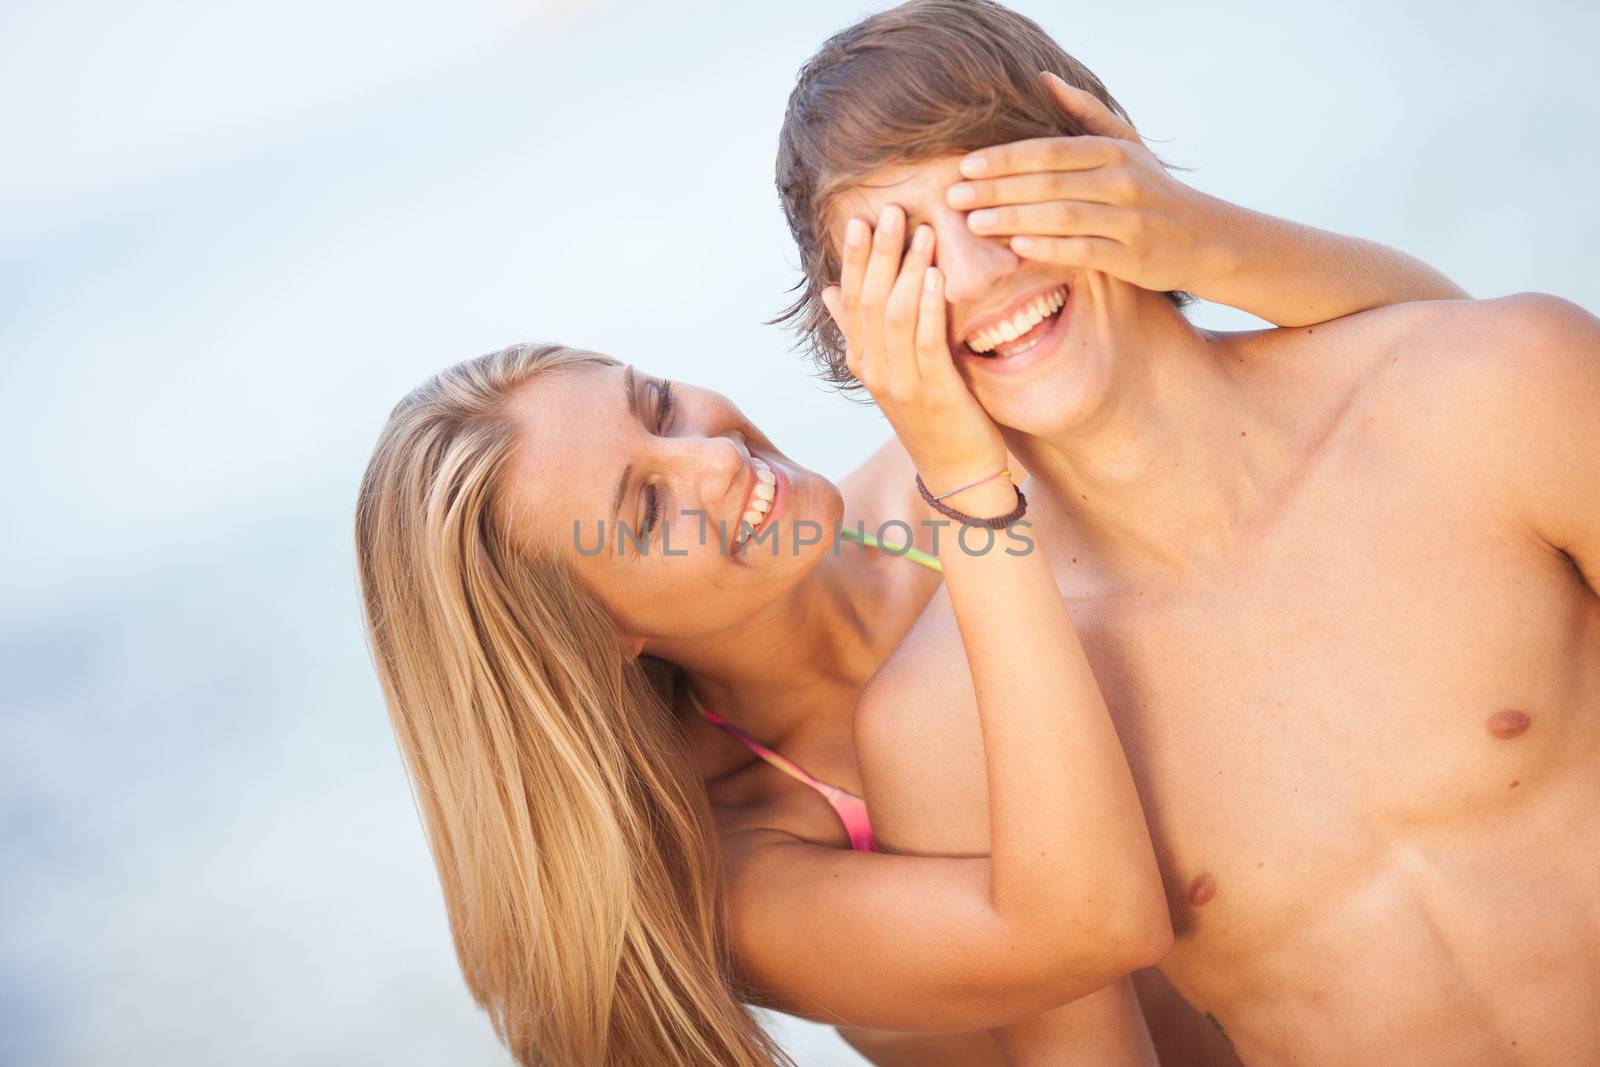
(1020, 323)
(761, 496)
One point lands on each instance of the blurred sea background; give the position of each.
(232, 235)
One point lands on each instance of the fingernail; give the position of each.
(855, 231)
(1023, 245)
(923, 238)
(972, 166)
(984, 218)
(887, 215)
(961, 195)
(930, 279)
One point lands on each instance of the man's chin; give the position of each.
(1057, 405)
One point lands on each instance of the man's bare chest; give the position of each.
(1334, 695)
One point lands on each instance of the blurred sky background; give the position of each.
(233, 234)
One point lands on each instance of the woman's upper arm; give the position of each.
(882, 941)
(907, 942)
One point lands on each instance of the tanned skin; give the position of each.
(1339, 586)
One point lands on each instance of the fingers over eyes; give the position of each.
(888, 242)
(1102, 185)
(853, 264)
(933, 344)
(1059, 218)
(901, 311)
(1088, 253)
(1044, 153)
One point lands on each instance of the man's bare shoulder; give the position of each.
(877, 485)
(1343, 348)
(929, 660)
(1477, 379)
(1505, 395)
(1497, 404)
(1502, 332)
(925, 683)
(919, 743)
(1438, 373)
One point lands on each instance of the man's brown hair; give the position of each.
(924, 79)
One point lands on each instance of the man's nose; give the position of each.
(972, 265)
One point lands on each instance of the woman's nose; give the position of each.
(972, 265)
(705, 466)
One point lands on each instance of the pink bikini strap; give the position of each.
(851, 809)
(787, 766)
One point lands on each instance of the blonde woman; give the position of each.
(593, 723)
(565, 777)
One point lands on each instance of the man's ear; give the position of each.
(630, 646)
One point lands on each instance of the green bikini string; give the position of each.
(916, 555)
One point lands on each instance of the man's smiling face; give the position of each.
(1030, 339)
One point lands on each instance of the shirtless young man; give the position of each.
(1338, 583)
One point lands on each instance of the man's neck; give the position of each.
(1164, 474)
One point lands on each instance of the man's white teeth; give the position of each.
(760, 505)
(1020, 323)
(764, 491)
(753, 517)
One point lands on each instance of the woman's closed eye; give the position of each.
(652, 515)
(665, 402)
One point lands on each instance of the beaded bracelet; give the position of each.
(998, 523)
(969, 485)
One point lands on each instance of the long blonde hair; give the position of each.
(572, 838)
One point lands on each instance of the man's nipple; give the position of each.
(1202, 889)
(1508, 724)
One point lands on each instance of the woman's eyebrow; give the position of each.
(631, 390)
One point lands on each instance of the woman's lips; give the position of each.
(780, 485)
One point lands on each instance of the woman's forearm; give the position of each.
(1070, 852)
(1296, 275)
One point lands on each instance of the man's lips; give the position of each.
(1047, 338)
(991, 322)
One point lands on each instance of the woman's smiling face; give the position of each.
(645, 486)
